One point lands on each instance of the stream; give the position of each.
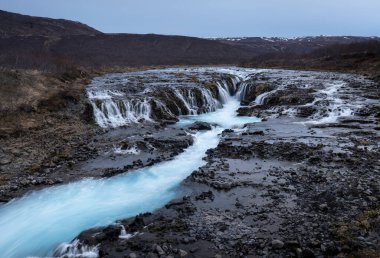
(38, 222)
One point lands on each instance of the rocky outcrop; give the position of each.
(290, 96)
(200, 126)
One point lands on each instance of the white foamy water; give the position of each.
(114, 106)
(225, 117)
(40, 221)
(336, 107)
(133, 150)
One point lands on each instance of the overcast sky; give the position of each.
(214, 18)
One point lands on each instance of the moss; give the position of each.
(346, 233)
(34, 168)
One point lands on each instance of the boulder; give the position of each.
(200, 126)
(277, 244)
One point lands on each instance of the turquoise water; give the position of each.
(37, 223)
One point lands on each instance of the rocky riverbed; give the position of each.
(302, 183)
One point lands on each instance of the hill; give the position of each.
(357, 57)
(12, 24)
(299, 45)
(56, 45)
(114, 50)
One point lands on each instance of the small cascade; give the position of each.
(123, 233)
(195, 101)
(76, 249)
(261, 98)
(330, 104)
(188, 100)
(235, 82)
(210, 103)
(223, 92)
(242, 91)
(117, 111)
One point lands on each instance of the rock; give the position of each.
(132, 255)
(182, 253)
(298, 252)
(159, 250)
(277, 244)
(151, 255)
(217, 256)
(323, 207)
(5, 161)
(199, 126)
(307, 253)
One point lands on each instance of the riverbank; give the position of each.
(48, 130)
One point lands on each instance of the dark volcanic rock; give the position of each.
(199, 126)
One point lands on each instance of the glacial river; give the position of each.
(34, 225)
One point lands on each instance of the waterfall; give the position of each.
(76, 249)
(111, 110)
(235, 82)
(123, 233)
(121, 104)
(118, 112)
(210, 103)
(261, 98)
(331, 105)
(188, 107)
(223, 92)
(242, 91)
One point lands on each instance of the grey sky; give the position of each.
(214, 18)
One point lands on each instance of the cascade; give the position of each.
(261, 98)
(242, 90)
(76, 249)
(113, 108)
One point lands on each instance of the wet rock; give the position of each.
(200, 126)
(306, 111)
(133, 255)
(5, 161)
(323, 207)
(182, 253)
(277, 244)
(112, 232)
(205, 195)
(293, 96)
(307, 253)
(159, 250)
(255, 89)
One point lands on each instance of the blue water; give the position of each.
(37, 223)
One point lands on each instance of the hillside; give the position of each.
(357, 57)
(57, 45)
(12, 24)
(114, 50)
(300, 45)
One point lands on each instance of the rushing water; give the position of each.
(35, 224)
